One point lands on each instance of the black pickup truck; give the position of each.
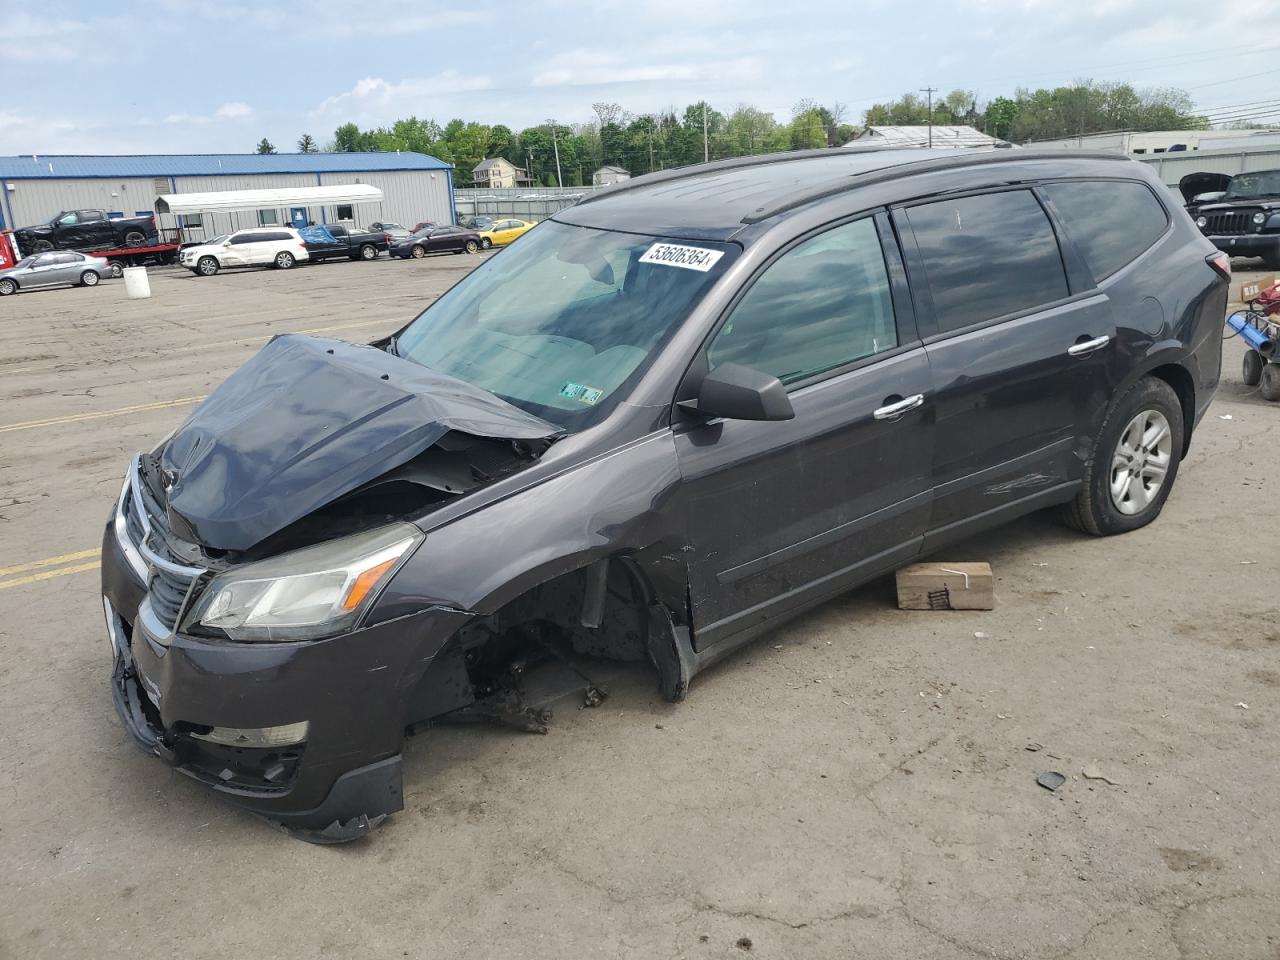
(333, 241)
(87, 230)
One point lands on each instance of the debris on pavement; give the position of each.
(1051, 780)
(1034, 747)
(1242, 705)
(1092, 771)
(946, 586)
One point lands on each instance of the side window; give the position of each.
(821, 305)
(987, 256)
(69, 219)
(1111, 221)
(240, 238)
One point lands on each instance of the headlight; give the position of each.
(1202, 222)
(1259, 218)
(307, 594)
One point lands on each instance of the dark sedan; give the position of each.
(437, 240)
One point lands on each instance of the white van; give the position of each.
(280, 247)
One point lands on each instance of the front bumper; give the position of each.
(351, 690)
(1247, 244)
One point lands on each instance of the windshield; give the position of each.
(1263, 184)
(215, 240)
(559, 323)
(424, 232)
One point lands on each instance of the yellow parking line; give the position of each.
(98, 414)
(49, 562)
(48, 575)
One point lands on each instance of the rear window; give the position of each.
(987, 256)
(1111, 221)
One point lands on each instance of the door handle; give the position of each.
(898, 407)
(1082, 349)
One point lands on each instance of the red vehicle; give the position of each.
(8, 254)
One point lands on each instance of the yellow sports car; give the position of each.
(503, 232)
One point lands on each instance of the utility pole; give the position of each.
(555, 144)
(706, 150)
(651, 144)
(930, 91)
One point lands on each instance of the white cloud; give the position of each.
(32, 39)
(233, 111)
(374, 100)
(228, 111)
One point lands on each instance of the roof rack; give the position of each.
(960, 158)
(956, 158)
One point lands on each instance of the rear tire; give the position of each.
(7, 288)
(471, 246)
(1251, 369)
(89, 279)
(134, 238)
(1134, 462)
(284, 260)
(206, 266)
(418, 253)
(368, 252)
(117, 269)
(1269, 385)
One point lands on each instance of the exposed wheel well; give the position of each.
(1184, 386)
(600, 610)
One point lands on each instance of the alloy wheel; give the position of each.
(1141, 462)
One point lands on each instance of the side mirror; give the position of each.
(226, 243)
(736, 392)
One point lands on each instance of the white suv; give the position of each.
(279, 247)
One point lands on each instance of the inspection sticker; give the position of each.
(675, 255)
(580, 391)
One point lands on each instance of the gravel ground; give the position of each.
(862, 783)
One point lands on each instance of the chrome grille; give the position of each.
(140, 528)
(1229, 222)
(168, 593)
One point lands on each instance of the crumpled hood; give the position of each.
(307, 420)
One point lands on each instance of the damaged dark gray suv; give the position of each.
(668, 419)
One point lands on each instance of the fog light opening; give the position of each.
(283, 736)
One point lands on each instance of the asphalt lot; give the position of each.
(859, 784)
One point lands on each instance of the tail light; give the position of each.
(386, 238)
(1220, 262)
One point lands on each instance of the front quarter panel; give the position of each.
(619, 502)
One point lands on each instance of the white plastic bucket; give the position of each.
(136, 284)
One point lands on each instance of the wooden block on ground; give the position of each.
(946, 586)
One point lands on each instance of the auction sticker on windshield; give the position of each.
(675, 255)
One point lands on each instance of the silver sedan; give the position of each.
(53, 268)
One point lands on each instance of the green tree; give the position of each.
(306, 144)
(999, 117)
(808, 131)
(502, 143)
(348, 139)
(265, 146)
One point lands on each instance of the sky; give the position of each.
(176, 76)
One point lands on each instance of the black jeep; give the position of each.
(1245, 220)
